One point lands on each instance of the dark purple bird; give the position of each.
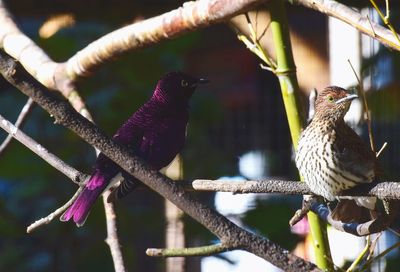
(155, 132)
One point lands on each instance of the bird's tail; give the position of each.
(348, 211)
(80, 208)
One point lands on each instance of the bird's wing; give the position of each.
(355, 156)
(131, 134)
(132, 131)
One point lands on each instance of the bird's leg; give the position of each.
(386, 205)
(308, 201)
(329, 205)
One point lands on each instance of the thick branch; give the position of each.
(353, 18)
(383, 190)
(228, 232)
(251, 186)
(189, 17)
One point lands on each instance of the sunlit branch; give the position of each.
(383, 190)
(188, 252)
(190, 17)
(46, 220)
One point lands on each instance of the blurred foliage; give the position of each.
(274, 216)
(381, 72)
(385, 104)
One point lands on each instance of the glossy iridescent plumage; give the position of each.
(155, 132)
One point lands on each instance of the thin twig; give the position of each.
(46, 220)
(386, 18)
(382, 254)
(265, 67)
(112, 235)
(308, 200)
(360, 256)
(254, 45)
(42, 152)
(372, 27)
(188, 252)
(394, 232)
(374, 243)
(381, 150)
(366, 109)
(20, 121)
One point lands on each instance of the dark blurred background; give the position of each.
(238, 115)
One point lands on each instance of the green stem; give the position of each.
(186, 252)
(286, 72)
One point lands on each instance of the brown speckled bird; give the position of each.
(332, 157)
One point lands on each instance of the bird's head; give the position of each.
(333, 103)
(177, 87)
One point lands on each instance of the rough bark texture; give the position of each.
(383, 190)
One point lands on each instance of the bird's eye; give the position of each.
(330, 98)
(184, 83)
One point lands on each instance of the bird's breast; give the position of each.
(327, 165)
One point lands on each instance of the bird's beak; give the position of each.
(349, 97)
(200, 81)
(203, 81)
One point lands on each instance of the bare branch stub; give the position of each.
(49, 218)
(228, 232)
